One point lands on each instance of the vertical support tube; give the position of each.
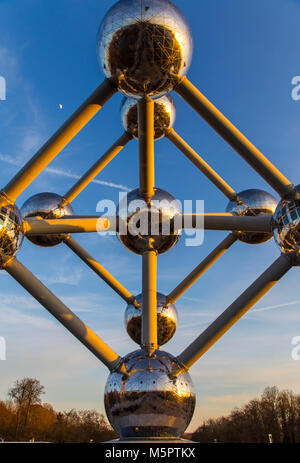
(235, 311)
(146, 146)
(149, 314)
(59, 140)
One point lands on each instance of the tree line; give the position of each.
(24, 417)
(275, 416)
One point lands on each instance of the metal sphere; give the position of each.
(47, 206)
(11, 232)
(142, 44)
(149, 401)
(287, 224)
(141, 223)
(164, 116)
(253, 202)
(166, 320)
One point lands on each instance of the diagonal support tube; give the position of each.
(146, 147)
(228, 221)
(235, 311)
(201, 268)
(59, 140)
(63, 314)
(100, 270)
(149, 312)
(97, 167)
(234, 137)
(201, 165)
(68, 224)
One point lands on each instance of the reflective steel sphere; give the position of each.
(164, 116)
(142, 43)
(11, 232)
(150, 401)
(47, 206)
(166, 320)
(287, 224)
(253, 202)
(140, 222)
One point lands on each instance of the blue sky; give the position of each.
(246, 54)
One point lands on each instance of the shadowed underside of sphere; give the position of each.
(150, 401)
(253, 202)
(164, 116)
(287, 225)
(11, 232)
(142, 43)
(48, 206)
(166, 320)
(140, 222)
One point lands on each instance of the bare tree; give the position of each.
(25, 393)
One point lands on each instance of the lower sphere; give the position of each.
(149, 401)
(48, 206)
(166, 320)
(287, 225)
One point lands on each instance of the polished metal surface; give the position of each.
(143, 222)
(142, 43)
(166, 320)
(47, 206)
(149, 401)
(253, 202)
(11, 232)
(287, 225)
(164, 116)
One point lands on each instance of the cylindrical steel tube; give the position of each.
(234, 137)
(97, 167)
(149, 301)
(146, 147)
(59, 140)
(235, 311)
(201, 164)
(68, 224)
(100, 270)
(227, 221)
(63, 314)
(201, 268)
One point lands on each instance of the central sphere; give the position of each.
(252, 203)
(142, 43)
(287, 224)
(164, 116)
(166, 320)
(11, 232)
(47, 206)
(140, 223)
(149, 401)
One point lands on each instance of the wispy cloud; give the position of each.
(59, 172)
(277, 306)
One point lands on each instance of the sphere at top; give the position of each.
(149, 401)
(164, 116)
(11, 232)
(287, 224)
(252, 203)
(141, 224)
(48, 206)
(143, 43)
(166, 320)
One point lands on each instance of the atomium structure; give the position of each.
(145, 49)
